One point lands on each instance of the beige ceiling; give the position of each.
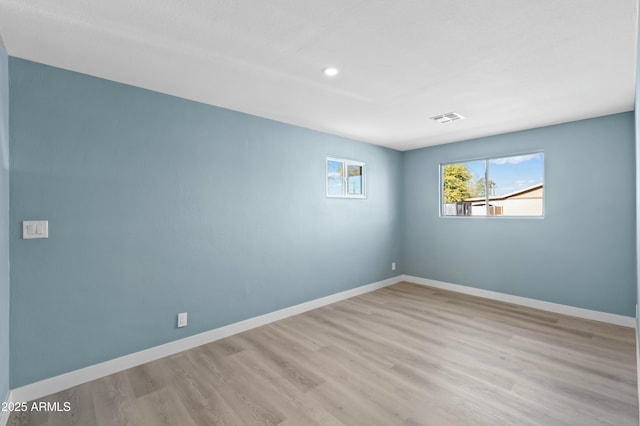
(503, 64)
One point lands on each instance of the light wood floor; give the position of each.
(405, 354)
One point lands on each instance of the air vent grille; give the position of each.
(447, 118)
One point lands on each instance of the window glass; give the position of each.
(354, 179)
(506, 186)
(335, 183)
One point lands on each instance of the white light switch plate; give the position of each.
(35, 229)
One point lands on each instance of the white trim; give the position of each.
(83, 375)
(4, 415)
(525, 301)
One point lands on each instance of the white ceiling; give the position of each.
(503, 64)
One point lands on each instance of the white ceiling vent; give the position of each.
(447, 118)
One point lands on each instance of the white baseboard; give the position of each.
(83, 375)
(4, 415)
(525, 301)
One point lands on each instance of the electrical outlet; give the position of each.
(182, 320)
(393, 266)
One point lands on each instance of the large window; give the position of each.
(506, 186)
(345, 178)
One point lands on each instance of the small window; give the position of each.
(506, 186)
(345, 178)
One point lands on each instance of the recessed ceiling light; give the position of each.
(331, 71)
(447, 118)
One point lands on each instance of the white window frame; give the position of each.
(346, 163)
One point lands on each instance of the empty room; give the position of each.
(319, 213)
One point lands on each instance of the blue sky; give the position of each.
(511, 173)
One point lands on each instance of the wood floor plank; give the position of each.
(402, 355)
(162, 407)
(110, 396)
(200, 395)
(235, 387)
(267, 379)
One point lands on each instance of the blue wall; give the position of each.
(582, 253)
(4, 224)
(159, 205)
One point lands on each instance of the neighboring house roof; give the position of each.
(510, 195)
